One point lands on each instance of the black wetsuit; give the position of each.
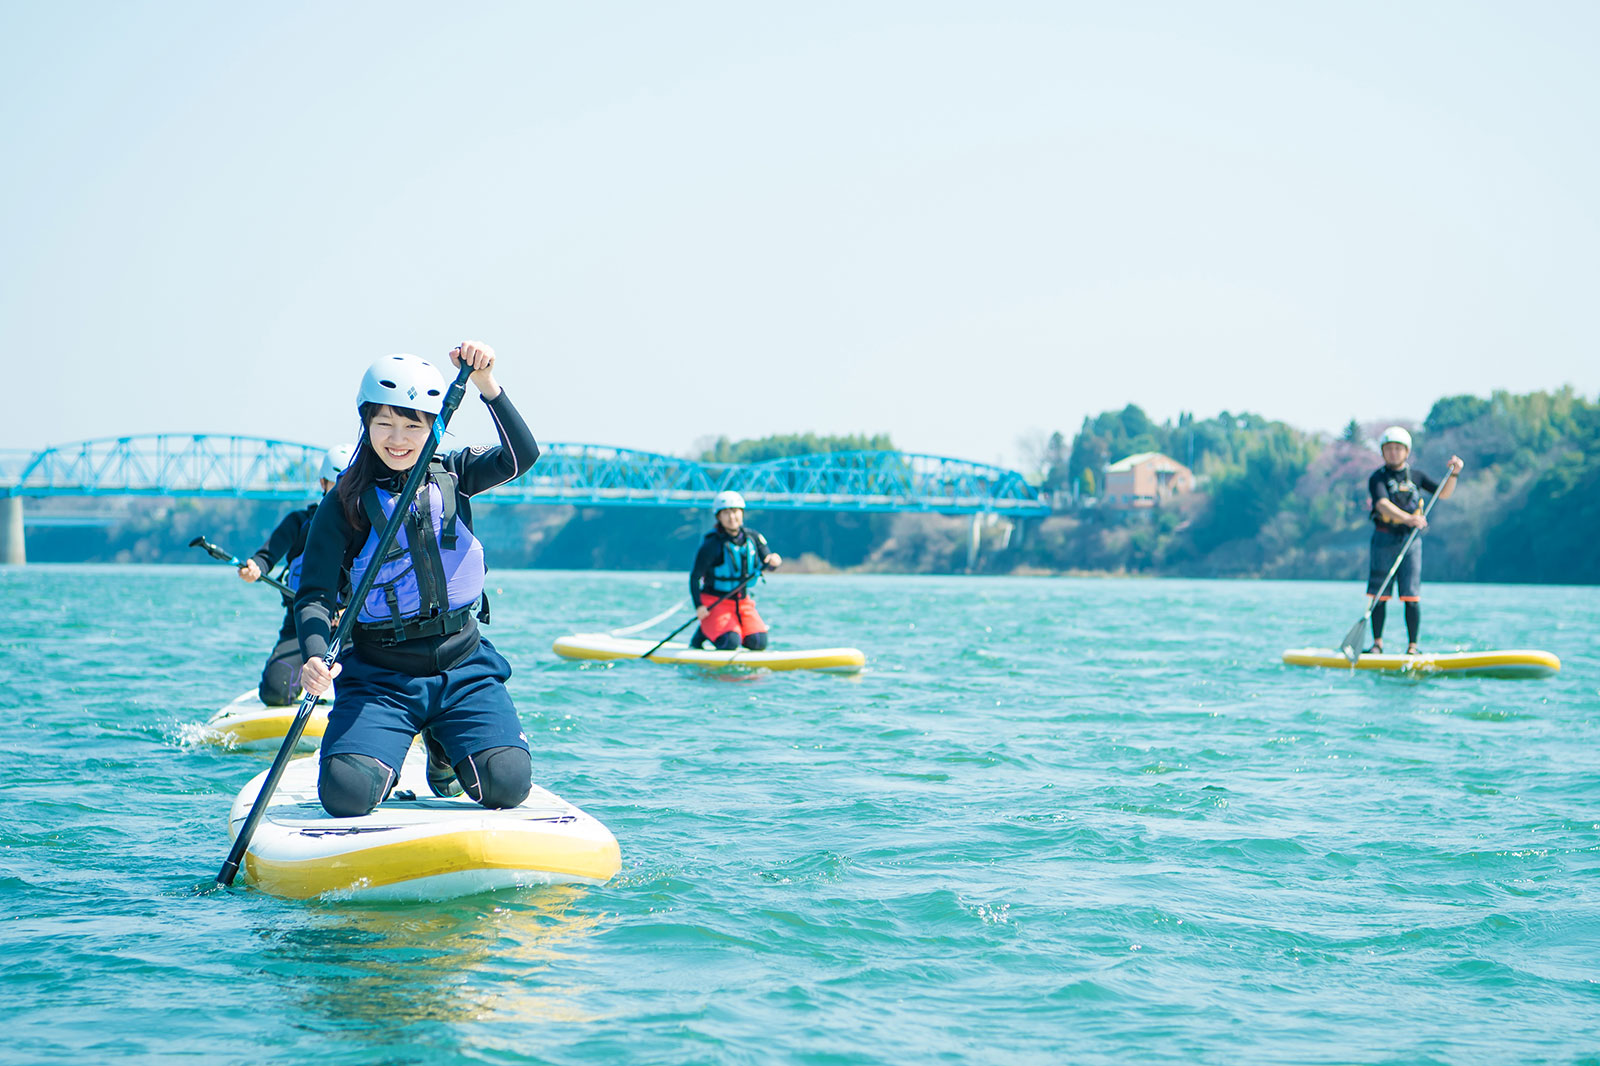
(333, 544)
(280, 677)
(389, 687)
(1403, 488)
(705, 561)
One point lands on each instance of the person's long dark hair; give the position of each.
(366, 468)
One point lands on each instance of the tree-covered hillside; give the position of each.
(785, 445)
(1275, 501)
(1272, 501)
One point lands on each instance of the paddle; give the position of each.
(391, 529)
(1351, 647)
(686, 625)
(642, 626)
(222, 556)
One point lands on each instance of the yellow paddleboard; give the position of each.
(415, 845)
(247, 724)
(1513, 663)
(605, 646)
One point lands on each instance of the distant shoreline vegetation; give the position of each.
(1269, 501)
(785, 445)
(1276, 501)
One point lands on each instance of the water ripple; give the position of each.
(1056, 820)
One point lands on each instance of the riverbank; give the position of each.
(1271, 502)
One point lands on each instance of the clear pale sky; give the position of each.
(952, 222)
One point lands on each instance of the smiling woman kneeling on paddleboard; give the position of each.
(1396, 492)
(730, 561)
(418, 662)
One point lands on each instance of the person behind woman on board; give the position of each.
(280, 678)
(417, 662)
(729, 555)
(1396, 492)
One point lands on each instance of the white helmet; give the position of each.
(1395, 435)
(334, 461)
(403, 381)
(726, 499)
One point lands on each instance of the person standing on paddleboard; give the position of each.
(280, 677)
(417, 662)
(730, 555)
(1396, 492)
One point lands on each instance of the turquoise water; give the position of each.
(1056, 821)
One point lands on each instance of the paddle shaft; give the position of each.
(238, 563)
(642, 626)
(386, 539)
(696, 618)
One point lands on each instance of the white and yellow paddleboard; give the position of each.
(1512, 663)
(605, 646)
(247, 724)
(414, 845)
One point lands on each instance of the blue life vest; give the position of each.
(290, 575)
(433, 575)
(739, 561)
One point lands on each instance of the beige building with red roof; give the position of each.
(1145, 480)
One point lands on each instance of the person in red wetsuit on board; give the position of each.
(730, 562)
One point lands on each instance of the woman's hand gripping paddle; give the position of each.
(696, 618)
(238, 564)
(391, 529)
(1351, 646)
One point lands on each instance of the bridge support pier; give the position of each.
(13, 549)
(973, 540)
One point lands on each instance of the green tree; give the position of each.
(785, 445)
(1245, 498)
(1452, 411)
(1057, 460)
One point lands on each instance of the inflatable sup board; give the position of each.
(414, 845)
(605, 646)
(247, 724)
(1513, 663)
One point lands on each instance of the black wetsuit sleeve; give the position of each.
(330, 546)
(762, 551)
(1376, 489)
(282, 540)
(705, 560)
(1426, 483)
(481, 469)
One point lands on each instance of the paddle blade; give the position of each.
(1351, 647)
(198, 542)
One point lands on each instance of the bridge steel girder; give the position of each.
(583, 475)
(171, 464)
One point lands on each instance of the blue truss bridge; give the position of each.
(584, 475)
